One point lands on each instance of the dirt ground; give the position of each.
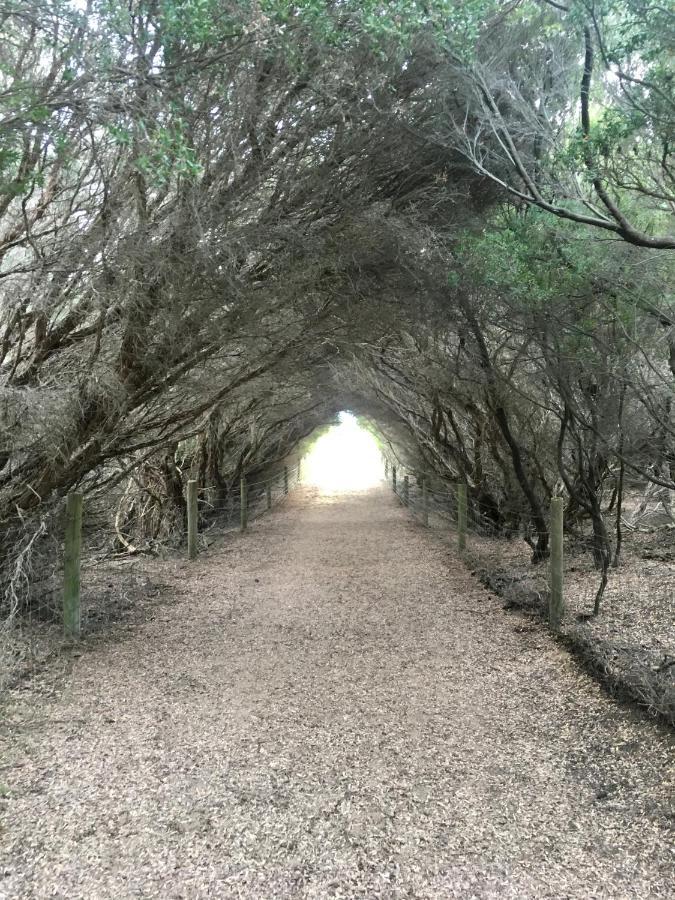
(330, 706)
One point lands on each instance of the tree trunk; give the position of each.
(540, 551)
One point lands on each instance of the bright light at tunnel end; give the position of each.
(346, 458)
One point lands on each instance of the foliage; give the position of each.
(222, 222)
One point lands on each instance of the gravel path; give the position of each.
(331, 708)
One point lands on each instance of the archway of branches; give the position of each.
(219, 230)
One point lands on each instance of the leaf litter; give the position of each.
(331, 709)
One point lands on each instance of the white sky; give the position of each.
(346, 458)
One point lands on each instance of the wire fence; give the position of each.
(86, 567)
(628, 642)
(510, 528)
(60, 576)
(217, 516)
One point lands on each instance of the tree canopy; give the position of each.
(223, 221)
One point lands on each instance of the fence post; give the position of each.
(556, 603)
(192, 513)
(425, 503)
(406, 490)
(71, 566)
(393, 478)
(386, 468)
(285, 479)
(461, 515)
(268, 494)
(243, 503)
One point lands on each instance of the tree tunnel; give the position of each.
(219, 231)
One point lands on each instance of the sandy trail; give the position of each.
(332, 708)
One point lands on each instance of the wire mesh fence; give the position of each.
(429, 506)
(120, 574)
(222, 514)
(218, 513)
(629, 643)
(118, 565)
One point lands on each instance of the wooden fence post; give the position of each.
(425, 503)
(406, 490)
(556, 603)
(285, 479)
(268, 494)
(461, 515)
(71, 566)
(393, 478)
(192, 512)
(243, 503)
